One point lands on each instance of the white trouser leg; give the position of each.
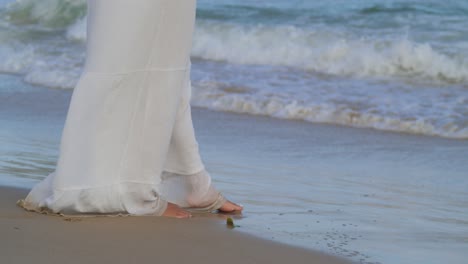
(185, 180)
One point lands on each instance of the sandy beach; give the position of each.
(341, 126)
(34, 238)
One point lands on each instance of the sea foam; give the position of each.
(388, 113)
(321, 50)
(392, 82)
(318, 51)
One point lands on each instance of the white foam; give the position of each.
(58, 63)
(52, 78)
(77, 31)
(49, 13)
(382, 117)
(16, 59)
(318, 51)
(325, 52)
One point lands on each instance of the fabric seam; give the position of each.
(141, 86)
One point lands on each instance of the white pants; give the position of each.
(128, 144)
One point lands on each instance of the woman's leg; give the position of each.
(185, 180)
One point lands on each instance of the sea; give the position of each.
(344, 122)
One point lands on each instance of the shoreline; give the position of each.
(323, 187)
(32, 237)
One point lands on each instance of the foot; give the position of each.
(229, 207)
(175, 211)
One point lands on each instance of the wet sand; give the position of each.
(34, 238)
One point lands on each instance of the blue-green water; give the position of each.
(390, 65)
(398, 66)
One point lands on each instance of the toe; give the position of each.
(230, 207)
(183, 215)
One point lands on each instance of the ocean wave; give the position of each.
(430, 8)
(380, 8)
(47, 13)
(208, 95)
(77, 31)
(15, 59)
(318, 51)
(326, 52)
(40, 67)
(46, 46)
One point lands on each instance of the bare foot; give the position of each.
(173, 210)
(229, 206)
